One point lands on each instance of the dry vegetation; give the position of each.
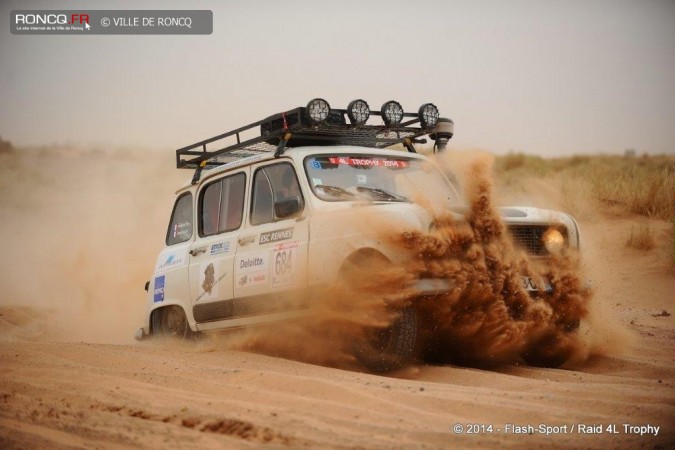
(637, 188)
(641, 238)
(5, 146)
(643, 186)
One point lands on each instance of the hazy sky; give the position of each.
(542, 77)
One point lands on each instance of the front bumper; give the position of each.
(436, 286)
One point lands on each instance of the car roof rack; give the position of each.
(296, 128)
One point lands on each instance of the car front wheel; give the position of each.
(387, 349)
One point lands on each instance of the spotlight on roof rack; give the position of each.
(392, 113)
(358, 112)
(428, 114)
(318, 110)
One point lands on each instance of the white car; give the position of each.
(268, 220)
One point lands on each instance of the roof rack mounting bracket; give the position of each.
(282, 144)
(409, 145)
(198, 172)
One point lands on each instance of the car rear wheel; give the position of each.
(170, 321)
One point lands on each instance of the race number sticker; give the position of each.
(284, 264)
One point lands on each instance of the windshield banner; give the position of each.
(368, 162)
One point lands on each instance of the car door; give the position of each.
(272, 254)
(220, 216)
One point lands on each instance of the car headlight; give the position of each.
(554, 241)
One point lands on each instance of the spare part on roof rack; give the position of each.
(443, 132)
(316, 124)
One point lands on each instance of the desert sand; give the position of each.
(80, 231)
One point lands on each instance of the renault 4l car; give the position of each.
(276, 211)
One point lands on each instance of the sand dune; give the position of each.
(80, 232)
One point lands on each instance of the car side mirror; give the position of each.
(286, 208)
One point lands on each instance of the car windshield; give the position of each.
(378, 178)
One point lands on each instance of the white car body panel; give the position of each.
(253, 261)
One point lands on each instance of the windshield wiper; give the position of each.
(334, 190)
(382, 194)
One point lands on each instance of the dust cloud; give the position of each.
(487, 318)
(81, 230)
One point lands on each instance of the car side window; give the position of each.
(272, 184)
(180, 226)
(221, 205)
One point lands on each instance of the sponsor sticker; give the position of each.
(276, 235)
(286, 245)
(253, 279)
(257, 278)
(252, 263)
(208, 278)
(171, 261)
(208, 281)
(183, 230)
(158, 290)
(252, 269)
(220, 248)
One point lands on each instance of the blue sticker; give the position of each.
(222, 247)
(316, 164)
(159, 289)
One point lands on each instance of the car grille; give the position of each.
(529, 237)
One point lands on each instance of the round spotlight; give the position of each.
(554, 241)
(428, 114)
(318, 110)
(392, 113)
(358, 112)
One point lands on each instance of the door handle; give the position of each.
(246, 240)
(197, 251)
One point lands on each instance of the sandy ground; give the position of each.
(72, 377)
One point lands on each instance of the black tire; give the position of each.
(546, 353)
(170, 321)
(382, 349)
(390, 348)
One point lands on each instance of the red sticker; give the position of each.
(368, 162)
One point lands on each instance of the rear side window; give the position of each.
(272, 184)
(180, 227)
(221, 205)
